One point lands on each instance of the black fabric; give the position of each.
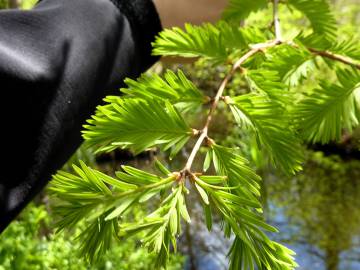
(57, 62)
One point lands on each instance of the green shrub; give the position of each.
(30, 244)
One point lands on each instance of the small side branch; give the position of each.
(330, 55)
(204, 132)
(335, 57)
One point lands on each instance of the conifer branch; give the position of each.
(330, 55)
(153, 113)
(335, 57)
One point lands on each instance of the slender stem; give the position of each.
(277, 20)
(330, 55)
(196, 149)
(204, 132)
(335, 57)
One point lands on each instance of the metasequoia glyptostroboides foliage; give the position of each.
(153, 112)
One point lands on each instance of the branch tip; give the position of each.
(195, 132)
(209, 142)
(177, 176)
(226, 99)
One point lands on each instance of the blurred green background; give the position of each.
(317, 211)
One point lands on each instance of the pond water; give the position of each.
(317, 214)
(309, 256)
(210, 249)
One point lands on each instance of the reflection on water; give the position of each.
(318, 212)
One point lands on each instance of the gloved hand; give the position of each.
(57, 62)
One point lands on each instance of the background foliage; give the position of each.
(31, 244)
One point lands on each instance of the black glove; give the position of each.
(57, 62)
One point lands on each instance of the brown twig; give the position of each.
(330, 55)
(204, 132)
(336, 57)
